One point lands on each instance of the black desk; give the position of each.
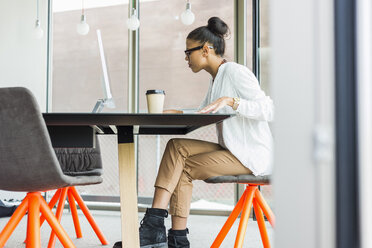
(78, 129)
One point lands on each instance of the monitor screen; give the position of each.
(107, 101)
(106, 79)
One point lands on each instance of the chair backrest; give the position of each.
(27, 159)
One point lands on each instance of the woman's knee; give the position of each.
(175, 142)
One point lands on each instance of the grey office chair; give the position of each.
(28, 163)
(250, 196)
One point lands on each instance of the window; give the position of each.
(163, 66)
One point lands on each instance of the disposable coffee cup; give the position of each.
(155, 101)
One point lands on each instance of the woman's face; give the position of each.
(195, 58)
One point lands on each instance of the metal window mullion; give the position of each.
(240, 31)
(255, 47)
(133, 62)
(49, 57)
(133, 74)
(256, 38)
(240, 53)
(346, 125)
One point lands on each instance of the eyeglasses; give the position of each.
(189, 51)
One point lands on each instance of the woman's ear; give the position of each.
(205, 51)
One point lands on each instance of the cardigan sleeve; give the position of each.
(254, 104)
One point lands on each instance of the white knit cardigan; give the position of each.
(247, 135)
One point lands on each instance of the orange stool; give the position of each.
(250, 196)
(72, 195)
(34, 204)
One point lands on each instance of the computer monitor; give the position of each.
(107, 101)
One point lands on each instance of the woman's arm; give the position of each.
(253, 104)
(172, 111)
(258, 109)
(217, 105)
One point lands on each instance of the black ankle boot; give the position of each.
(152, 230)
(178, 238)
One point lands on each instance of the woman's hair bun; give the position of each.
(217, 26)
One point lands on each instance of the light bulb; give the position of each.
(38, 32)
(82, 28)
(187, 17)
(133, 23)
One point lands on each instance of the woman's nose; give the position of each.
(186, 58)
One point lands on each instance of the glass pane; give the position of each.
(77, 72)
(163, 66)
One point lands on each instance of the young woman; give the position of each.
(244, 141)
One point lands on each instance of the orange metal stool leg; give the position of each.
(261, 224)
(56, 227)
(229, 222)
(73, 196)
(75, 218)
(61, 205)
(245, 215)
(265, 208)
(51, 204)
(88, 215)
(250, 196)
(13, 221)
(33, 223)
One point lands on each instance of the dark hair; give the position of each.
(214, 33)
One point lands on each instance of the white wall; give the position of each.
(303, 86)
(23, 58)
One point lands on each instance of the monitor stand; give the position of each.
(101, 103)
(99, 106)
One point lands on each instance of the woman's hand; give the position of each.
(172, 111)
(217, 105)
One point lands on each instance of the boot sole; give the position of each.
(162, 245)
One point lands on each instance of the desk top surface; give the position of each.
(119, 119)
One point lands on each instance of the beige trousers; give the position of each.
(185, 160)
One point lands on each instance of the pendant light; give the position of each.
(187, 17)
(82, 27)
(38, 31)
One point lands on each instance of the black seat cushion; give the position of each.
(80, 161)
(240, 179)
